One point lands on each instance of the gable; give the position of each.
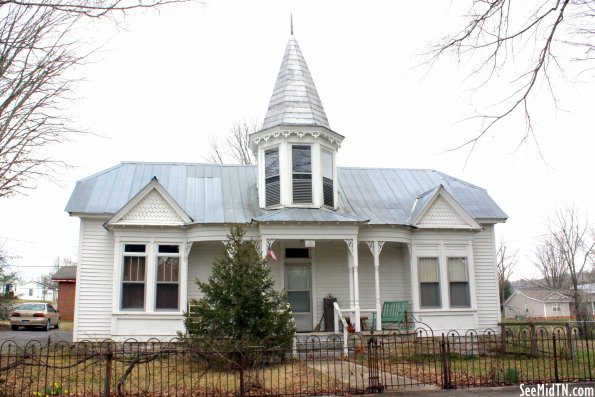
(441, 214)
(153, 205)
(152, 209)
(438, 209)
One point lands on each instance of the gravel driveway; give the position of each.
(23, 336)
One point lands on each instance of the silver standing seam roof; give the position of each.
(295, 100)
(211, 193)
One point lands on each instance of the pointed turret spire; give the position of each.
(295, 100)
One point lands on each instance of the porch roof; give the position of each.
(213, 193)
(307, 215)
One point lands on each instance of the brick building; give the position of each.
(66, 279)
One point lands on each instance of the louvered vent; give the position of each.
(273, 191)
(327, 191)
(302, 188)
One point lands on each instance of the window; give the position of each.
(458, 282)
(556, 307)
(327, 179)
(429, 282)
(168, 270)
(30, 291)
(301, 157)
(133, 278)
(271, 176)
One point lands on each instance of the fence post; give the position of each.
(108, 374)
(533, 340)
(242, 391)
(569, 341)
(555, 357)
(445, 350)
(502, 339)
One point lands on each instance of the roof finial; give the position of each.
(291, 23)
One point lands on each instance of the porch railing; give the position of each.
(339, 316)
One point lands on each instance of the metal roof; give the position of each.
(211, 193)
(295, 100)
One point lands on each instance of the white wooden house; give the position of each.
(35, 291)
(363, 235)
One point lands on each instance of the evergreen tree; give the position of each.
(239, 302)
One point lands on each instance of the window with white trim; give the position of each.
(301, 158)
(327, 178)
(458, 282)
(133, 277)
(167, 291)
(429, 282)
(556, 307)
(271, 177)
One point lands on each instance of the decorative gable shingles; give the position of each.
(153, 209)
(441, 214)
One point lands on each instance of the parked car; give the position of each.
(31, 315)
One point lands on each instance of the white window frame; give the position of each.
(467, 281)
(123, 255)
(156, 273)
(311, 173)
(439, 282)
(279, 171)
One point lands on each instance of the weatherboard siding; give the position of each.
(486, 279)
(95, 281)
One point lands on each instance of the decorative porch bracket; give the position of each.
(376, 247)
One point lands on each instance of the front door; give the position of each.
(298, 285)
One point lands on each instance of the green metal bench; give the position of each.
(393, 312)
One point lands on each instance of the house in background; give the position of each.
(35, 291)
(65, 277)
(363, 235)
(538, 303)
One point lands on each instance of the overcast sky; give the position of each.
(164, 82)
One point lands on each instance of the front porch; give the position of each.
(360, 275)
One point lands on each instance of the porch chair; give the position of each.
(393, 312)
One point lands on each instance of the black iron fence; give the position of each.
(312, 365)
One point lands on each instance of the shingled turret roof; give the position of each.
(295, 100)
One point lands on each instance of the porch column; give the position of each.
(376, 247)
(187, 247)
(352, 244)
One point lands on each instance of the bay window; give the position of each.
(150, 277)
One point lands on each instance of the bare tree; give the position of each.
(550, 264)
(37, 48)
(534, 41)
(236, 148)
(507, 261)
(571, 242)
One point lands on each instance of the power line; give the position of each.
(37, 242)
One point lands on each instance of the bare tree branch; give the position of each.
(503, 37)
(37, 48)
(569, 247)
(507, 261)
(237, 148)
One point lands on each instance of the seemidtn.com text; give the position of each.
(556, 390)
